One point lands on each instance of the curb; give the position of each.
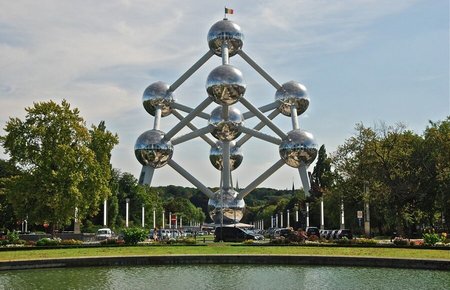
(348, 261)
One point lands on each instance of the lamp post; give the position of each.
(127, 200)
(287, 216)
(105, 213)
(154, 218)
(367, 210)
(307, 214)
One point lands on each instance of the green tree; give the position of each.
(59, 169)
(7, 216)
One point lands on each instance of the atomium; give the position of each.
(226, 201)
(225, 31)
(298, 148)
(226, 128)
(157, 95)
(225, 86)
(292, 94)
(152, 150)
(216, 156)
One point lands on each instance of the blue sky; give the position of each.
(361, 60)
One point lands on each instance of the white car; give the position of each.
(104, 233)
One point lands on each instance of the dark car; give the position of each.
(234, 234)
(312, 231)
(344, 233)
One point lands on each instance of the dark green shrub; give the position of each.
(365, 241)
(132, 236)
(344, 241)
(12, 237)
(430, 239)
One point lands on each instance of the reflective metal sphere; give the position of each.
(225, 85)
(226, 129)
(151, 149)
(225, 30)
(233, 209)
(298, 148)
(292, 93)
(216, 158)
(157, 94)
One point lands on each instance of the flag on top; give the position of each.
(228, 11)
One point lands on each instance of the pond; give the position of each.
(224, 277)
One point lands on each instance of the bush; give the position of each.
(110, 242)
(431, 238)
(344, 241)
(187, 241)
(48, 242)
(399, 241)
(12, 237)
(132, 236)
(365, 241)
(71, 242)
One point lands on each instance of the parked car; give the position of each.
(344, 233)
(325, 234)
(333, 235)
(312, 231)
(104, 233)
(234, 234)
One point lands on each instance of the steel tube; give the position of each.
(191, 135)
(260, 135)
(187, 119)
(263, 118)
(259, 69)
(193, 128)
(191, 178)
(191, 70)
(266, 108)
(258, 127)
(187, 109)
(260, 179)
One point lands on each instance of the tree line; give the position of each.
(58, 164)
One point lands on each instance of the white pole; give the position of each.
(276, 220)
(104, 213)
(342, 215)
(271, 221)
(143, 216)
(307, 214)
(126, 211)
(281, 218)
(170, 219)
(288, 217)
(296, 215)
(163, 220)
(176, 221)
(154, 218)
(322, 215)
(181, 222)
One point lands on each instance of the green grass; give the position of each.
(222, 249)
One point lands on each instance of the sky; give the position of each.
(362, 61)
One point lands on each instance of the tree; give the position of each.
(61, 164)
(7, 217)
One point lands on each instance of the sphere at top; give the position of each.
(216, 157)
(233, 209)
(151, 149)
(298, 148)
(225, 31)
(158, 95)
(292, 93)
(226, 129)
(225, 85)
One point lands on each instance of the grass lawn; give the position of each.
(223, 249)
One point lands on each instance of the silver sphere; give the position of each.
(292, 93)
(157, 94)
(226, 129)
(225, 30)
(151, 149)
(216, 158)
(233, 209)
(298, 148)
(225, 85)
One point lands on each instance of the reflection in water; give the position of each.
(224, 277)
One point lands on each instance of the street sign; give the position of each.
(359, 214)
